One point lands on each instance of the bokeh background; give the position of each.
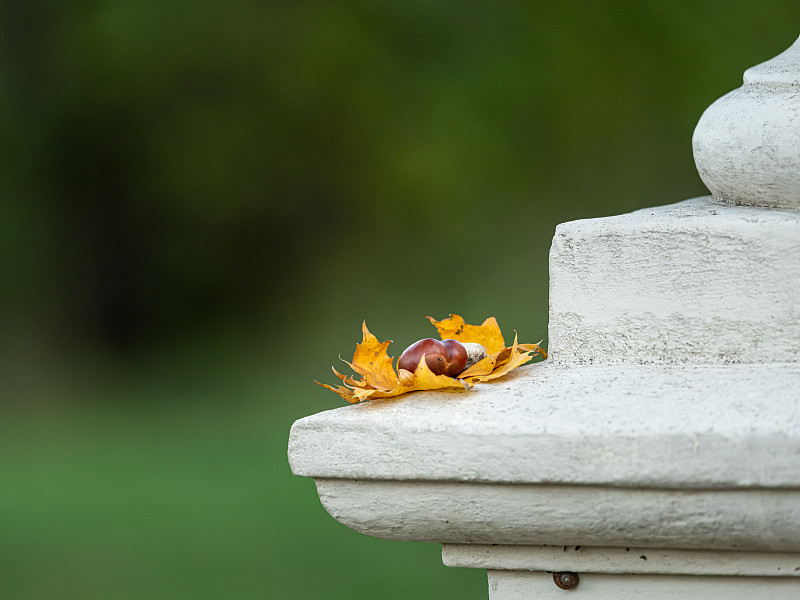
(201, 201)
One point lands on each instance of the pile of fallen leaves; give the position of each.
(378, 378)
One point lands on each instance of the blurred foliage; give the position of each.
(171, 163)
(201, 202)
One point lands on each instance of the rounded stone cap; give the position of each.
(747, 143)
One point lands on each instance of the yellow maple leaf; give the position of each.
(373, 363)
(487, 334)
(380, 380)
(505, 361)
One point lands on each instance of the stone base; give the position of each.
(525, 585)
(605, 573)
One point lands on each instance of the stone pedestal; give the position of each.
(656, 453)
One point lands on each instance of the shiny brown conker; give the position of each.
(443, 357)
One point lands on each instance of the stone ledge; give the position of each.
(635, 426)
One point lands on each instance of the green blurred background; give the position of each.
(202, 200)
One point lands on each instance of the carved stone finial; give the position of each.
(747, 143)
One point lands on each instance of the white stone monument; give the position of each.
(656, 453)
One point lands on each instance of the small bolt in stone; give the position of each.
(566, 580)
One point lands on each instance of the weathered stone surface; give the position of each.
(668, 456)
(657, 426)
(692, 282)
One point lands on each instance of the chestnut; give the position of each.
(443, 357)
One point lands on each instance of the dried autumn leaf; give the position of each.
(343, 391)
(379, 379)
(532, 348)
(424, 379)
(373, 363)
(482, 367)
(487, 334)
(515, 359)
